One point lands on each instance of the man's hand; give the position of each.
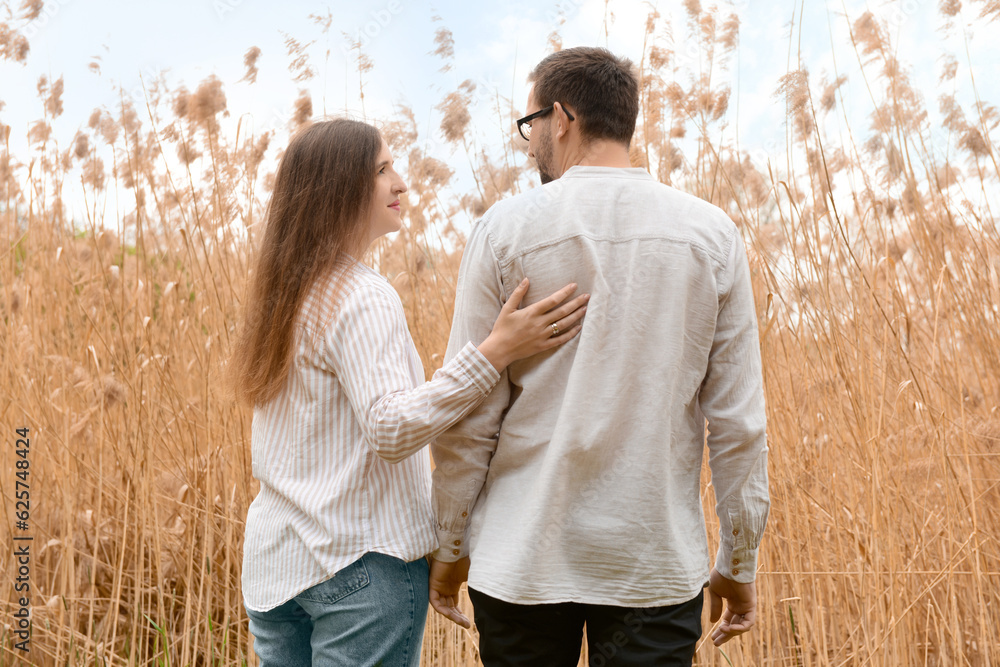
(741, 607)
(446, 580)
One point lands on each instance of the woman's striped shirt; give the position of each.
(339, 451)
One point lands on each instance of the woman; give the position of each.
(333, 569)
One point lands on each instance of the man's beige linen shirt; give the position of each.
(578, 478)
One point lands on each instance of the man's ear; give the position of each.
(562, 120)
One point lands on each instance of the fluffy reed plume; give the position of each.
(250, 59)
(950, 7)
(445, 47)
(31, 9)
(454, 108)
(828, 100)
(53, 103)
(990, 9)
(794, 87)
(13, 45)
(299, 65)
(81, 145)
(876, 270)
(202, 107)
(303, 110)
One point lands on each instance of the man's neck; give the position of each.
(599, 154)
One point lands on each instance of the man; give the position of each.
(575, 486)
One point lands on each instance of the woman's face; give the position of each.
(385, 215)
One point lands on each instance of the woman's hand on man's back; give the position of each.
(522, 332)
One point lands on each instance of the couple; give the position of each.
(568, 449)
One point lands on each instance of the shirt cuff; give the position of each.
(474, 365)
(453, 546)
(737, 563)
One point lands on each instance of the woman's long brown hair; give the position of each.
(318, 212)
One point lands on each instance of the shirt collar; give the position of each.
(586, 171)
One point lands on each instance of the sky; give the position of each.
(496, 45)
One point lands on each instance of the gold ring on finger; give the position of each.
(555, 329)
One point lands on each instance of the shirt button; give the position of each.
(735, 571)
(457, 542)
(736, 561)
(735, 531)
(456, 552)
(465, 514)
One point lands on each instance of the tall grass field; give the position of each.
(876, 261)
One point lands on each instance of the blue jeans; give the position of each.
(369, 614)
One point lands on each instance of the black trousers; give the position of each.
(550, 635)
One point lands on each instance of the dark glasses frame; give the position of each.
(532, 116)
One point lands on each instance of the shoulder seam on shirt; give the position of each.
(492, 243)
(554, 242)
(733, 236)
(505, 261)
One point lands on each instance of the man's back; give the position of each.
(591, 490)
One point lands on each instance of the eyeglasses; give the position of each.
(524, 124)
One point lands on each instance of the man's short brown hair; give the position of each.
(595, 83)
